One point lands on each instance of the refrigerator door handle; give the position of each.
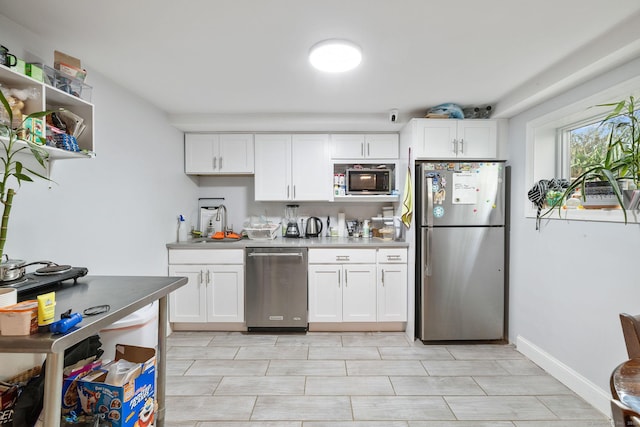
(426, 253)
(427, 212)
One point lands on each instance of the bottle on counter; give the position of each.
(182, 229)
(366, 229)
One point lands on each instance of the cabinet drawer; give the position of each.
(206, 256)
(392, 255)
(342, 256)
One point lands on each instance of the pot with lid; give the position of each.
(11, 269)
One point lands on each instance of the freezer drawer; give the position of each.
(462, 283)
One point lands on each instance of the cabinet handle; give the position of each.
(455, 146)
(208, 277)
(287, 191)
(461, 145)
(342, 257)
(200, 278)
(294, 192)
(345, 278)
(220, 162)
(362, 149)
(339, 278)
(368, 149)
(215, 162)
(393, 257)
(382, 278)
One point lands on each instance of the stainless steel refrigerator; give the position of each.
(461, 256)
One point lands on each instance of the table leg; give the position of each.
(53, 389)
(161, 360)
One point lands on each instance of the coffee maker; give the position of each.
(291, 219)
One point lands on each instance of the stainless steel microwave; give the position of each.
(369, 181)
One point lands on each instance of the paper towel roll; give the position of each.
(342, 225)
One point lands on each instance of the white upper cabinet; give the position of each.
(364, 146)
(455, 139)
(292, 167)
(226, 154)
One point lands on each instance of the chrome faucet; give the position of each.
(224, 218)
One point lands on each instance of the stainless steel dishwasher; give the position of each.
(276, 289)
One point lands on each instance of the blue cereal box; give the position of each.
(128, 403)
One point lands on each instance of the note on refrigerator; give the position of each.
(465, 188)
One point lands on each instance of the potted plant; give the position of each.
(13, 171)
(621, 160)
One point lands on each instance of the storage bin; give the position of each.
(262, 232)
(19, 319)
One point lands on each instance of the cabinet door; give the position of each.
(477, 139)
(382, 146)
(273, 167)
(312, 176)
(392, 292)
(235, 153)
(225, 293)
(347, 146)
(188, 303)
(200, 153)
(438, 138)
(325, 293)
(359, 293)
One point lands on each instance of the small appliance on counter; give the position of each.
(45, 277)
(291, 220)
(314, 227)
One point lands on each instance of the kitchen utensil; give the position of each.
(291, 217)
(314, 227)
(11, 269)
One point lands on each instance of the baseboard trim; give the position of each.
(594, 395)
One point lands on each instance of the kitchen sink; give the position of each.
(210, 240)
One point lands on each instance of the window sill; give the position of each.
(593, 215)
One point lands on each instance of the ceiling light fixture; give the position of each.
(335, 56)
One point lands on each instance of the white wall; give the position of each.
(570, 280)
(112, 214)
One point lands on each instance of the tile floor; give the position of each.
(359, 380)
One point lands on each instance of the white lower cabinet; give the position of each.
(358, 285)
(215, 288)
(392, 285)
(342, 293)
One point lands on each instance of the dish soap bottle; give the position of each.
(366, 229)
(182, 229)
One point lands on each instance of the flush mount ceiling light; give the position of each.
(335, 56)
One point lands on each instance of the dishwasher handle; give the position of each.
(277, 254)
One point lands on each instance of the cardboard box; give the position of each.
(35, 129)
(34, 71)
(68, 65)
(8, 396)
(127, 405)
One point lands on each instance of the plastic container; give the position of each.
(19, 319)
(262, 232)
(138, 329)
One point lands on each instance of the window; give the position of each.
(586, 143)
(561, 142)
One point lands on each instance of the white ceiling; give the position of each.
(199, 60)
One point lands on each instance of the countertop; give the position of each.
(312, 242)
(124, 295)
